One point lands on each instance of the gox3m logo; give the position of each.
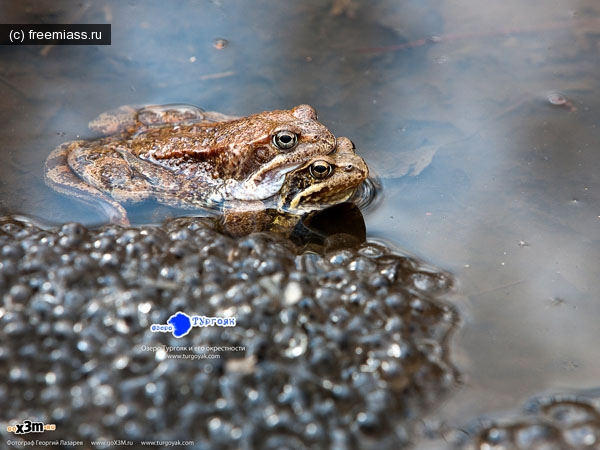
(30, 427)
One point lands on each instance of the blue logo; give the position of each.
(180, 324)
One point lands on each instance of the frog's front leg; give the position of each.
(60, 177)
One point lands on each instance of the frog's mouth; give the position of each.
(261, 185)
(316, 197)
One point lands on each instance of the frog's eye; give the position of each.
(284, 140)
(320, 169)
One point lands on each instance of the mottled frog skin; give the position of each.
(183, 156)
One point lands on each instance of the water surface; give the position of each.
(503, 96)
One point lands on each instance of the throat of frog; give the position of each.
(261, 185)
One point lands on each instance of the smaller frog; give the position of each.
(324, 180)
(183, 156)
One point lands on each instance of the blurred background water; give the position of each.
(492, 107)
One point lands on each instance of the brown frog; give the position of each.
(183, 156)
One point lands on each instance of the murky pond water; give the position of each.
(482, 122)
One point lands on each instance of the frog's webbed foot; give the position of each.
(177, 114)
(59, 176)
(115, 121)
(135, 119)
(157, 115)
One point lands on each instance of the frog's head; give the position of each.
(281, 142)
(324, 180)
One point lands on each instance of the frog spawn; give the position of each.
(345, 348)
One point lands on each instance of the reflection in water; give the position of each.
(317, 227)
